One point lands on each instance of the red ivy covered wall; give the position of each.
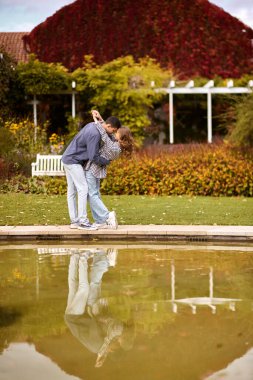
(194, 37)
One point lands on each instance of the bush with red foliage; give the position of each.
(193, 37)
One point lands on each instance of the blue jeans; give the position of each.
(99, 211)
(77, 193)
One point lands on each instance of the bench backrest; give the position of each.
(48, 165)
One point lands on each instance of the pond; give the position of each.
(125, 311)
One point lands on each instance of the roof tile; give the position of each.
(13, 44)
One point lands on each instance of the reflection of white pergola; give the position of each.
(193, 302)
(209, 89)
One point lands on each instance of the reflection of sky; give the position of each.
(241, 368)
(24, 15)
(22, 358)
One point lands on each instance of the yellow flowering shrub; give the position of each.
(56, 143)
(27, 137)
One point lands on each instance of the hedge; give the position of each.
(193, 170)
(204, 170)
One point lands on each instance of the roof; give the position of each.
(13, 44)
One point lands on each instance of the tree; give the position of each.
(123, 88)
(7, 77)
(43, 78)
(241, 125)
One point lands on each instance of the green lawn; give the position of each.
(27, 209)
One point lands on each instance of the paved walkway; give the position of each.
(136, 232)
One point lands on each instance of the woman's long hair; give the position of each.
(126, 141)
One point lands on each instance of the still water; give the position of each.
(128, 312)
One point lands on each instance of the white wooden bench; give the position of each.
(47, 164)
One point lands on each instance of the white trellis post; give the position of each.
(209, 85)
(35, 119)
(171, 118)
(209, 118)
(34, 103)
(73, 99)
(171, 111)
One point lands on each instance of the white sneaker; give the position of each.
(112, 220)
(74, 226)
(87, 226)
(101, 226)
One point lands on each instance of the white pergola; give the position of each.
(209, 89)
(34, 102)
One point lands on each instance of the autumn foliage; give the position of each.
(194, 38)
(193, 169)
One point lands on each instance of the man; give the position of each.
(85, 147)
(94, 172)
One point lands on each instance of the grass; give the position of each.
(28, 209)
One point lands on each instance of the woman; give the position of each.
(112, 148)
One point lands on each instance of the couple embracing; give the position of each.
(85, 161)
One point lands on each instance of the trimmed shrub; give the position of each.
(193, 169)
(34, 185)
(212, 170)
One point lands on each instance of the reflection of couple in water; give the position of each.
(87, 314)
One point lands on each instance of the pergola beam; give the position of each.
(205, 90)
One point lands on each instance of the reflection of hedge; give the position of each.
(194, 170)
